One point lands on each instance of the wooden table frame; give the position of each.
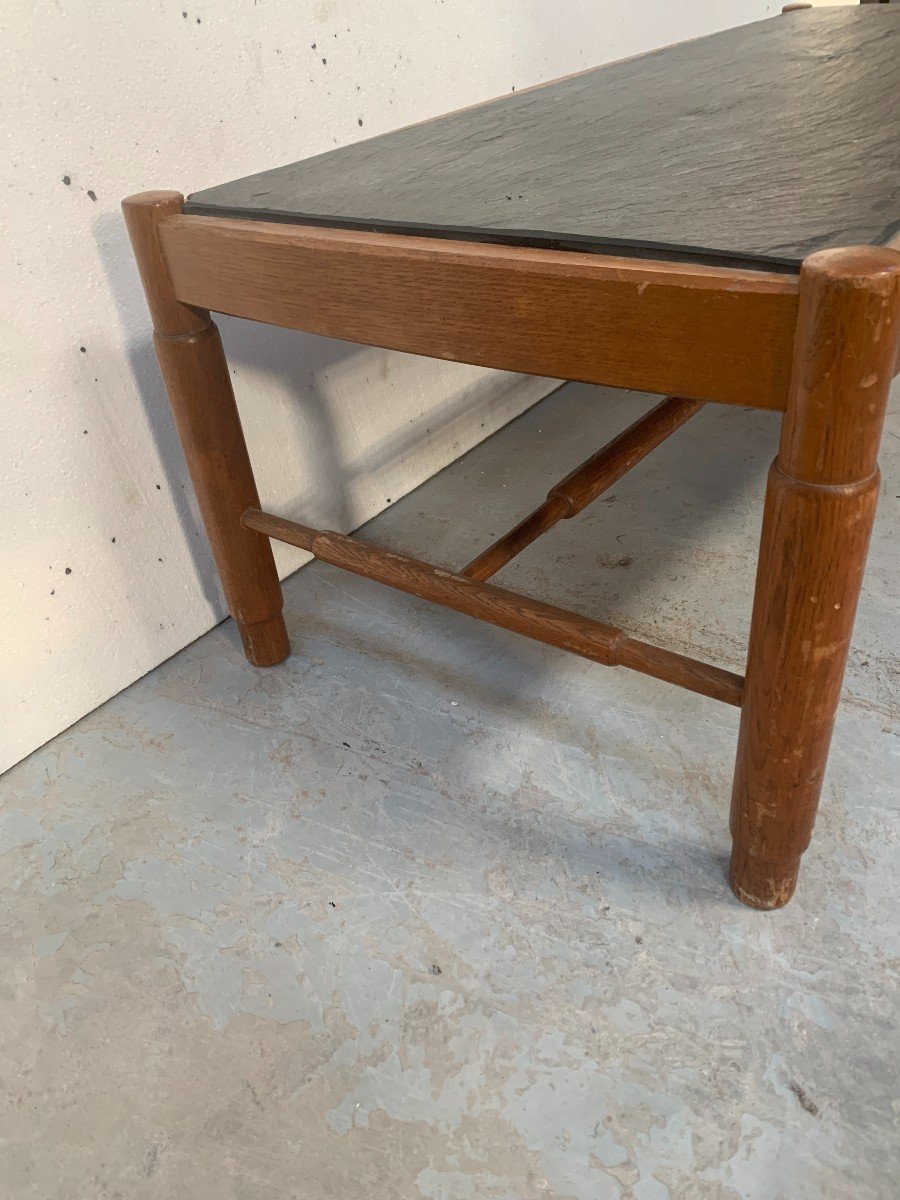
(820, 346)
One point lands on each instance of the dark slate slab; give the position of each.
(759, 144)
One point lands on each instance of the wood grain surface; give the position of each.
(707, 333)
(760, 144)
(509, 610)
(198, 383)
(820, 504)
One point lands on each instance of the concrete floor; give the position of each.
(433, 911)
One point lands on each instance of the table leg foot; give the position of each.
(759, 883)
(265, 642)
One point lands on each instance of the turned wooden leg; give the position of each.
(820, 505)
(196, 376)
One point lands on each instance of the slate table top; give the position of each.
(754, 146)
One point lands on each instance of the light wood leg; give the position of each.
(820, 505)
(196, 376)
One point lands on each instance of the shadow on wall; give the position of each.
(314, 456)
(334, 461)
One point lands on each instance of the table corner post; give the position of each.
(820, 505)
(198, 384)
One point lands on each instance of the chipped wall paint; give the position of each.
(105, 568)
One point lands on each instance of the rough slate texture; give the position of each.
(761, 144)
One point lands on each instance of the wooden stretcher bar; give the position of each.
(587, 482)
(509, 610)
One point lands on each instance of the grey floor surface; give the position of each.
(433, 911)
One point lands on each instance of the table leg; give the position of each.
(196, 376)
(820, 504)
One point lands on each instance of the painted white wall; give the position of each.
(105, 571)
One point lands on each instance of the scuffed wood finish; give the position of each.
(704, 332)
(200, 394)
(543, 622)
(760, 144)
(583, 485)
(820, 505)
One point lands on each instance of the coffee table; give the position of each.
(715, 222)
